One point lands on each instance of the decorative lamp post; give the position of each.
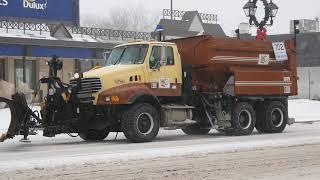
(271, 10)
(250, 9)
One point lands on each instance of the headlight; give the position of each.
(78, 75)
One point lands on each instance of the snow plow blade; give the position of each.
(20, 114)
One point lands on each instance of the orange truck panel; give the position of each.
(215, 60)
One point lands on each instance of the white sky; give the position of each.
(229, 12)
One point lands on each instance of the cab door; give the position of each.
(165, 71)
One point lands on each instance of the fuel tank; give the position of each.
(238, 67)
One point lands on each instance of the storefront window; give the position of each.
(2, 70)
(25, 75)
(83, 65)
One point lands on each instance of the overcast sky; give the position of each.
(229, 12)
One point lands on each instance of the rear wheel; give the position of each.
(243, 120)
(195, 129)
(140, 123)
(94, 135)
(273, 118)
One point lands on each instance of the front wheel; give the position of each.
(140, 123)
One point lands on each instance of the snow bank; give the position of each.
(5, 118)
(150, 153)
(304, 110)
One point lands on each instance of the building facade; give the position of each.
(306, 25)
(29, 37)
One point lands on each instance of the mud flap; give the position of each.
(19, 115)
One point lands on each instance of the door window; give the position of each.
(2, 70)
(161, 56)
(169, 56)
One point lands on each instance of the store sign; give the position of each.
(34, 4)
(64, 11)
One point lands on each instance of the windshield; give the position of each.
(132, 54)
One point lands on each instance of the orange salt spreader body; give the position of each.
(239, 67)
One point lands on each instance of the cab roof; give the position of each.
(146, 43)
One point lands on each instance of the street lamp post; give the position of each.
(160, 29)
(271, 10)
(171, 9)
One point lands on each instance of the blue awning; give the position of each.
(37, 51)
(11, 50)
(63, 52)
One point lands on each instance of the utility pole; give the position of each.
(171, 10)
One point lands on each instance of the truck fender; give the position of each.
(143, 97)
(148, 98)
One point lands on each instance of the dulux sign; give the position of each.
(65, 11)
(33, 4)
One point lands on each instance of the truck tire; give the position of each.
(243, 120)
(273, 118)
(140, 123)
(94, 135)
(195, 129)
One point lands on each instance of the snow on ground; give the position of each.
(301, 109)
(5, 117)
(304, 110)
(63, 150)
(66, 151)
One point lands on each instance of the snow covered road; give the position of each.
(64, 151)
(294, 163)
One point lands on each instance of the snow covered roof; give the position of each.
(50, 32)
(190, 24)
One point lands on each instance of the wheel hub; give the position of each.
(245, 119)
(145, 123)
(277, 117)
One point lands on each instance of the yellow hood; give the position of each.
(116, 75)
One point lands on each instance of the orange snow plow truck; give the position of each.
(195, 84)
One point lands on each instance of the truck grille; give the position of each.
(87, 86)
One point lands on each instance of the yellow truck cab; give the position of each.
(138, 69)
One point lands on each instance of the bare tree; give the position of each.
(135, 18)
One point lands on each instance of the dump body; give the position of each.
(232, 66)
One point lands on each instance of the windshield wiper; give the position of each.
(118, 60)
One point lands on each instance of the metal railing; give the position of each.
(94, 32)
(176, 14)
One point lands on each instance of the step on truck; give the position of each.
(194, 84)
